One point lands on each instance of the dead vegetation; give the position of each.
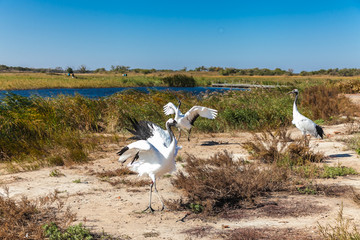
(24, 219)
(118, 177)
(269, 234)
(275, 207)
(270, 147)
(123, 171)
(343, 228)
(220, 182)
(224, 185)
(325, 103)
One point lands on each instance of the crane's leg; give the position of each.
(306, 141)
(189, 134)
(179, 134)
(160, 198)
(149, 207)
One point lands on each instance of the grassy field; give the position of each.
(12, 81)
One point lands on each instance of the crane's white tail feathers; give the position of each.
(169, 108)
(319, 131)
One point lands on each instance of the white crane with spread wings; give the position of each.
(186, 121)
(153, 153)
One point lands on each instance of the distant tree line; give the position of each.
(220, 70)
(4, 68)
(348, 72)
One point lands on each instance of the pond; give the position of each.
(105, 92)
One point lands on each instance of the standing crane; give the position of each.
(153, 153)
(186, 121)
(304, 124)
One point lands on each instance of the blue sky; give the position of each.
(301, 35)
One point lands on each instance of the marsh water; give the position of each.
(105, 92)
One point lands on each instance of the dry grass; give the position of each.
(275, 148)
(199, 232)
(116, 178)
(218, 183)
(275, 207)
(268, 234)
(356, 196)
(325, 103)
(115, 173)
(24, 219)
(130, 183)
(268, 146)
(342, 229)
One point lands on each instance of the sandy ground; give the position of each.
(117, 210)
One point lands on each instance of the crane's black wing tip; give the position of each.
(192, 121)
(121, 152)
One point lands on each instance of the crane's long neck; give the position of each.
(172, 137)
(173, 141)
(295, 110)
(178, 112)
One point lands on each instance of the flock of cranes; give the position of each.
(154, 152)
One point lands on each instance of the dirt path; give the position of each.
(117, 210)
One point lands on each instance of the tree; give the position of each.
(82, 69)
(200, 69)
(119, 69)
(59, 69)
(69, 70)
(99, 70)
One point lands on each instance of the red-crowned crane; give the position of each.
(304, 124)
(186, 121)
(153, 153)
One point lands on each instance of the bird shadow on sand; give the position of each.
(331, 157)
(213, 143)
(340, 155)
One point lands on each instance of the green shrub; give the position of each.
(77, 232)
(333, 172)
(179, 80)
